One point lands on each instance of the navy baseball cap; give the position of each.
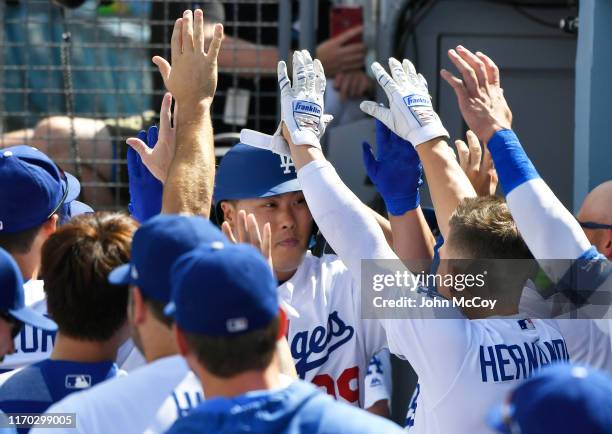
(247, 172)
(561, 398)
(155, 247)
(38, 188)
(223, 290)
(12, 300)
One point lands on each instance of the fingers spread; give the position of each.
(476, 64)
(469, 75)
(384, 79)
(253, 230)
(164, 67)
(320, 81)
(455, 83)
(227, 230)
(283, 80)
(475, 151)
(409, 70)
(397, 71)
(241, 227)
(215, 44)
(464, 154)
(165, 114)
(492, 69)
(176, 41)
(187, 31)
(266, 247)
(299, 75)
(198, 31)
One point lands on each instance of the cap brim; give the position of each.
(74, 187)
(78, 208)
(284, 187)
(33, 318)
(120, 275)
(495, 419)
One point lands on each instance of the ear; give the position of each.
(229, 212)
(137, 307)
(283, 325)
(181, 341)
(50, 226)
(607, 245)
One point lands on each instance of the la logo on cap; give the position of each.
(235, 325)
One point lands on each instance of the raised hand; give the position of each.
(396, 171)
(145, 189)
(411, 115)
(478, 167)
(479, 94)
(192, 77)
(302, 104)
(157, 155)
(338, 55)
(247, 231)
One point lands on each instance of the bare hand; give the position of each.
(158, 158)
(480, 96)
(337, 55)
(192, 78)
(479, 169)
(352, 84)
(247, 231)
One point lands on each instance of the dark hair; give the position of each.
(483, 228)
(157, 309)
(76, 262)
(19, 242)
(226, 357)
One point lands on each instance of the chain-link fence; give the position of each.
(76, 83)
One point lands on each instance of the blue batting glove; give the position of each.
(145, 190)
(396, 171)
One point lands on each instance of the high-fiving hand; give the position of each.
(411, 115)
(480, 96)
(478, 167)
(192, 77)
(247, 231)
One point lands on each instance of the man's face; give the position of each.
(291, 224)
(6, 338)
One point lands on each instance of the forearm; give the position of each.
(384, 224)
(412, 239)
(189, 186)
(548, 228)
(447, 182)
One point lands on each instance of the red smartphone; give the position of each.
(343, 18)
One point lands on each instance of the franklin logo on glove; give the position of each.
(306, 107)
(411, 100)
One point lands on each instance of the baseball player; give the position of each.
(13, 311)
(40, 197)
(231, 348)
(450, 355)
(90, 313)
(577, 269)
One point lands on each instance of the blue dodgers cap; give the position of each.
(223, 290)
(38, 188)
(12, 298)
(561, 398)
(247, 172)
(155, 247)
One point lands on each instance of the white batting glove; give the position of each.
(411, 115)
(302, 106)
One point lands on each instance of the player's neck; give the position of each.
(28, 264)
(240, 384)
(76, 350)
(157, 340)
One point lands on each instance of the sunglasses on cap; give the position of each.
(64, 195)
(593, 225)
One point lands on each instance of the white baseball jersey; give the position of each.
(32, 344)
(378, 379)
(148, 400)
(331, 345)
(464, 366)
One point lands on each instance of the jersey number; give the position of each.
(343, 384)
